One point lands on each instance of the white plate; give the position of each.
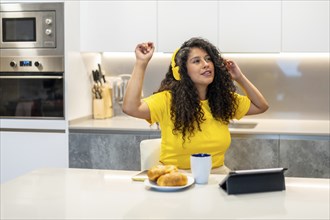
(154, 185)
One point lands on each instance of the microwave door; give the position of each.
(27, 29)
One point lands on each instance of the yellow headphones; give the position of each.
(175, 68)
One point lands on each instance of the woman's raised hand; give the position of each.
(258, 102)
(144, 51)
(233, 69)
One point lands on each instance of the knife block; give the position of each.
(107, 97)
(98, 109)
(102, 108)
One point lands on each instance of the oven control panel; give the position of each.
(21, 63)
(32, 64)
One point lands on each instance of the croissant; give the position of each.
(155, 172)
(172, 179)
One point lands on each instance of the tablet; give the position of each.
(255, 180)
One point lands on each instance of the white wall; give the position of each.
(295, 85)
(78, 93)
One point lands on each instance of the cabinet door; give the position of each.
(305, 156)
(110, 150)
(178, 21)
(22, 152)
(305, 26)
(252, 152)
(116, 25)
(250, 26)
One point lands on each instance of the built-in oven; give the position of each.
(34, 90)
(32, 60)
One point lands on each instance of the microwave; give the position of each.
(29, 26)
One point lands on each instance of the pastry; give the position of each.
(155, 172)
(172, 179)
(167, 175)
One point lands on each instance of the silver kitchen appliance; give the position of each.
(32, 26)
(32, 60)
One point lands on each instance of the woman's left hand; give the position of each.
(258, 102)
(233, 69)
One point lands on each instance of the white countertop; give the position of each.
(263, 126)
(110, 194)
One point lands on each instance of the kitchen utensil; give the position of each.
(120, 87)
(101, 74)
(97, 91)
(94, 76)
(98, 77)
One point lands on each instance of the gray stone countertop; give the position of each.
(243, 126)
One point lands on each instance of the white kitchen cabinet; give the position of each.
(117, 26)
(305, 26)
(23, 151)
(178, 21)
(28, 1)
(28, 144)
(249, 26)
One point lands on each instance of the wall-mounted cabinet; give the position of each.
(305, 26)
(178, 21)
(244, 26)
(117, 25)
(249, 26)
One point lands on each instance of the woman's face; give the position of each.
(200, 67)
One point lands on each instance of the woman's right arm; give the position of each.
(132, 104)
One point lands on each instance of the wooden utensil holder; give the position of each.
(102, 108)
(98, 109)
(107, 94)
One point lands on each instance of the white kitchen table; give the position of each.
(111, 194)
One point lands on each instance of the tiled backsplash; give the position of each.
(295, 85)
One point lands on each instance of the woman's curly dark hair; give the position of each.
(186, 108)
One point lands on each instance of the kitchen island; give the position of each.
(111, 194)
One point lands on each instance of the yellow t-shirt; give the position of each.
(214, 137)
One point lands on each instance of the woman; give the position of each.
(194, 103)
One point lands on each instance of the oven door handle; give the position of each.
(31, 77)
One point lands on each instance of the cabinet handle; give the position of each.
(31, 77)
(32, 130)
